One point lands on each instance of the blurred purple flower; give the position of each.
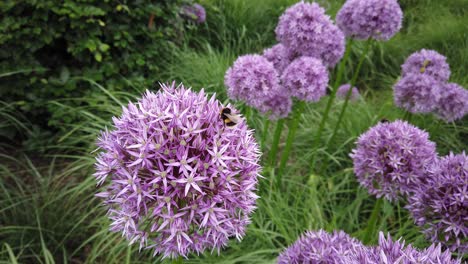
(252, 79)
(343, 91)
(320, 247)
(306, 78)
(363, 19)
(417, 93)
(278, 106)
(306, 30)
(427, 62)
(179, 180)
(453, 102)
(441, 205)
(389, 251)
(391, 158)
(279, 55)
(195, 12)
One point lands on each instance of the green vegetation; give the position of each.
(48, 212)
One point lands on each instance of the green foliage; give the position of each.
(45, 44)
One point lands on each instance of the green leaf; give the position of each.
(140, 61)
(98, 56)
(104, 47)
(64, 74)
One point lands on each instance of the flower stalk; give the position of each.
(372, 224)
(275, 143)
(293, 125)
(339, 76)
(348, 95)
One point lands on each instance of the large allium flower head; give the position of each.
(306, 30)
(363, 19)
(195, 12)
(453, 102)
(427, 62)
(441, 205)
(180, 181)
(417, 93)
(279, 55)
(320, 247)
(306, 78)
(389, 251)
(252, 79)
(343, 92)
(278, 106)
(392, 157)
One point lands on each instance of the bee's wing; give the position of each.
(234, 118)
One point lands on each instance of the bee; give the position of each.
(384, 120)
(229, 119)
(425, 64)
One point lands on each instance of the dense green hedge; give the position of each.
(46, 44)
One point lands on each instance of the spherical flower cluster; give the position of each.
(320, 247)
(424, 87)
(427, 62)
(389, 251)
(277, 107)
(441, 205)
(417, 93)
(453, 102)
(180, 181)
(364, 19)
(306, 78)
(306, 30)
(391, 158)
(252, 79)
(343, 90)
(195, 12)
(279, 55)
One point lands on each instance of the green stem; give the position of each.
(339, 76)
(178, 260)
(407, 116)
(129, 255)
(293, 125)
(348, 94)
(372, 224)
(266, 125)
(276, 139)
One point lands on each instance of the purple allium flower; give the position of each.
(417, 93)
(195, 12)
(279, 55)
(306, 30)
(343, 91)
(320, 247)
(392, 157)
(453, 102)
(441, 205)
(427, 62)
(363, 19)
(306, 78)
(389, 251)
(252, 79)
(180, 181)
(278, 106)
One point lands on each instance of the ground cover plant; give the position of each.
(323, 192)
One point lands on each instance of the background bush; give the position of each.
(49, 49)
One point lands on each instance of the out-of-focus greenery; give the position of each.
(50, 48)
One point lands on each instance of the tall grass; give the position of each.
(48, 211)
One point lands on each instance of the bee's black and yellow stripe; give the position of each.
(226, 120)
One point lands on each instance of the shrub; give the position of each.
(46, 44)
